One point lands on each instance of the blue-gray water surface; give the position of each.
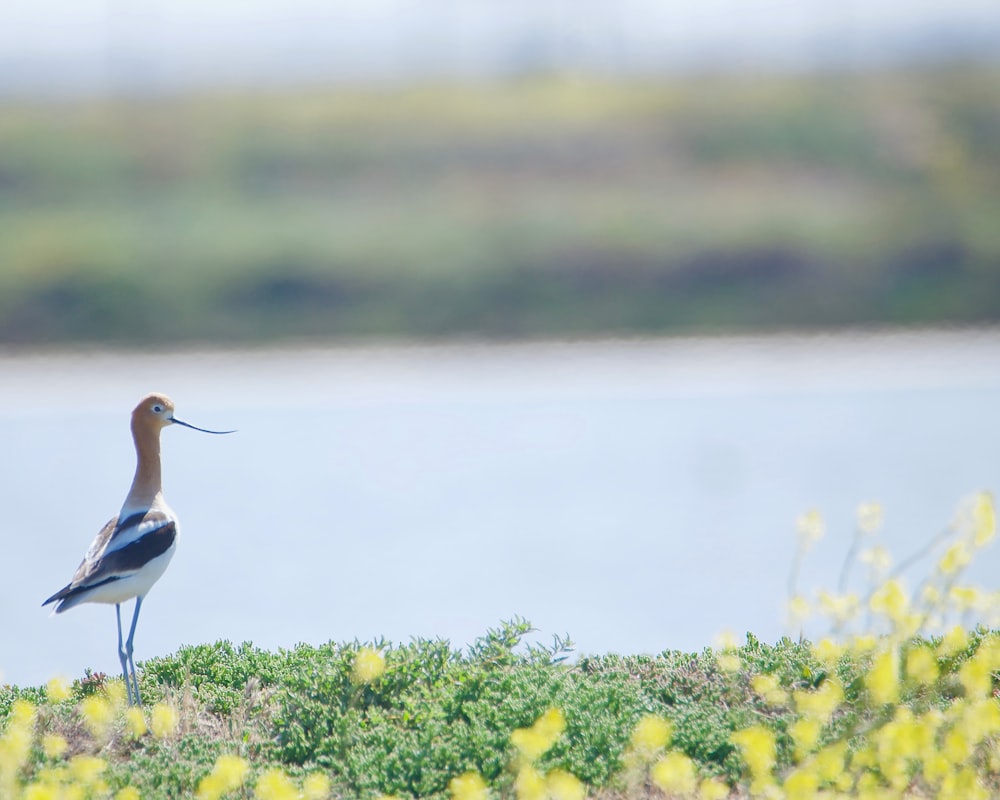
(637, 495)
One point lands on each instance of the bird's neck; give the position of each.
(146, 488)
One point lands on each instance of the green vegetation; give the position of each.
(881, 708)
(544, 207)
(436, 713)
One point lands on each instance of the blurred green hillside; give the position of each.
(532, 208)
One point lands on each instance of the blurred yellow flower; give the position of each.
(532, 742)
(799, 610)
(713, 789)
(227, 775)
(563, 785)
(135, 723)
(469, 786)
(768, 686)
(984, 519)
(529, 784)
(890, 600)
(955, 558)
(758, 748)
(57, 690)
(128, 793)
(87, 769)
(841, 608)
(674, 774)
(976, 676)
(869, 517)
(729, 662)
(954, 640)
(921, 666)
(882, 679)
(801, 784)
(275, 785)
(828, 652)
(115, 691)
(316, 786)
(97, 714)
(968, 598)
(54, 745)
(877, 558)
(820, 703)
(650, 735)
(805, 733)
(163, 721)
(369, 666)
(810, 528)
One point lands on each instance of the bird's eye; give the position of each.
(157, 409)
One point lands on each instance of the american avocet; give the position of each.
(133, 549)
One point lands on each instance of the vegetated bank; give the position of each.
(407, 720)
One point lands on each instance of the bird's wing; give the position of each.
(121, 549)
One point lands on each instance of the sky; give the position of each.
(166, 43)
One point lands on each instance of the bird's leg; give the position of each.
(122, 655)
(128, 649)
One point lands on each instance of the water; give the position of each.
(639, 496)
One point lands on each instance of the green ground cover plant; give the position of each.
(897, 699)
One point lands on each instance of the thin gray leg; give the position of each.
(128, 650)
(122, 654)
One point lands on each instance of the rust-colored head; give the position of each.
(156, 411)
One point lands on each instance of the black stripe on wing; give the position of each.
(119, 563)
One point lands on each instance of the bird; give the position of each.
(133, 549)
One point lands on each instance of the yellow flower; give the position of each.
(828, 651)
(890, 600)
(954, 640)
(810, 528)
(275, 785)
(976, 676)
(984, 519)
(163, 721)
(650, 735)
(57, 690)
(841, 608)
(529, 784)
(829, 762)
(869, 517)
(713, 789)
(767, 685)
(469, 786)
(563, 785)
(882, 679)
(135, 723)
(674, 774)
(820, 703)
(532, 742)
(87, 769)
(128, 793)
(54, 745)
(877, 558)
(38, 791)
(115, 691)
(98, 714)
(955, 558)
(921, 666)
(805, 733)
(316, 786)
(799, 610)
(729, 662)
(801, 785)
(227, 775)
(967, 598)
(369, 666)
(758, 747)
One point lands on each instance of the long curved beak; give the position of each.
(195, 427)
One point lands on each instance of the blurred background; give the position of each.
(550, 308)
